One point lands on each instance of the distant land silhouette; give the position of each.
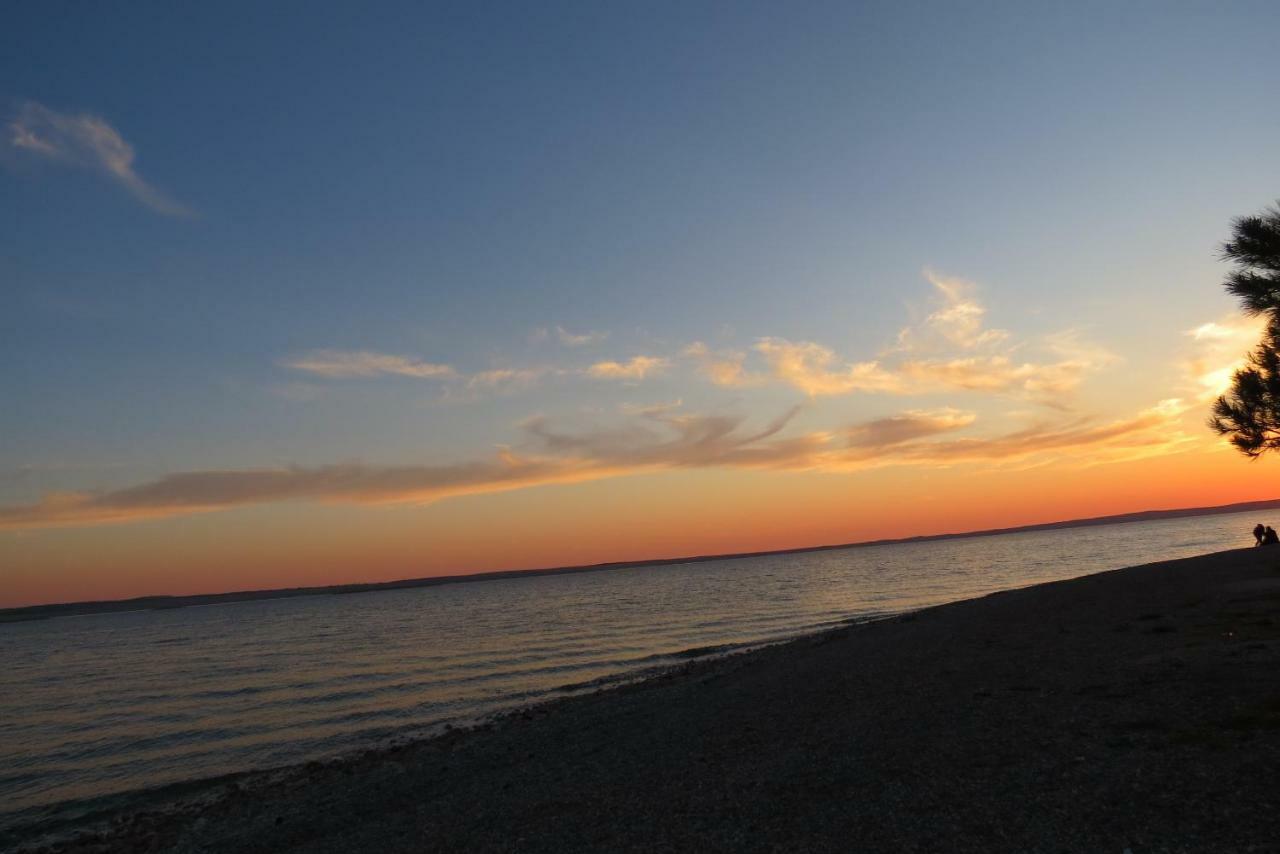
(158, 603)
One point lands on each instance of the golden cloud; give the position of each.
(724, 367)
(815, 370)
(950, 350)
(1219, 349)
(635, 368)
(958, 320)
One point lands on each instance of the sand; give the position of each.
(1136, 709)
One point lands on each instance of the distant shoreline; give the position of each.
(153, 603)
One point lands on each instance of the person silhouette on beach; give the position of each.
(1269, 537)
(1258, 533)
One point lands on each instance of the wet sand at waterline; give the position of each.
(1137, 709)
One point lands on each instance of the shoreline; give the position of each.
(33, 613)
(1137, 708)
(89, 811)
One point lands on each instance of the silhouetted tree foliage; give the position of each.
(1249, 414)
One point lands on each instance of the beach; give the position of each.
(1136, 709)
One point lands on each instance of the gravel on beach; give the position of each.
(1132, 710)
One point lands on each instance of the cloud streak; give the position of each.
(911, 426)
(86, 141)
(659, 440)
(656, 439)
(1151, 432)
(635, 368)
(340, 364)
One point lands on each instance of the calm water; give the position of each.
(98, 705)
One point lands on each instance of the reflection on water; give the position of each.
(101, 704)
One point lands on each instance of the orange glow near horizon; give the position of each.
(642, 517)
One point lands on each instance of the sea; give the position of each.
(94, 709)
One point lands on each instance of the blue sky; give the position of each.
(440, 182)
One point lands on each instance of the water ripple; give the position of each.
(107, 704)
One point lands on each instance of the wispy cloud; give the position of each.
(817, 371)
(1152, 432)
(958, 320)
(910, 426)
(570, 339)
(346, 364)
(505, 379)
(951, 349)
(337, 364)
(635, 368)
(86, 141)
(565, 337)
(1218, 350)
(1044, 382)
(657, 439)
(664, 439)
(723, 367)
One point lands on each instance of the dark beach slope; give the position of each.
(1134, 709)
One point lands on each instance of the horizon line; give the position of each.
(163, 601)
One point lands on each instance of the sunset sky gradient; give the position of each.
(310, 294)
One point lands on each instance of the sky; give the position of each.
(314, 293)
